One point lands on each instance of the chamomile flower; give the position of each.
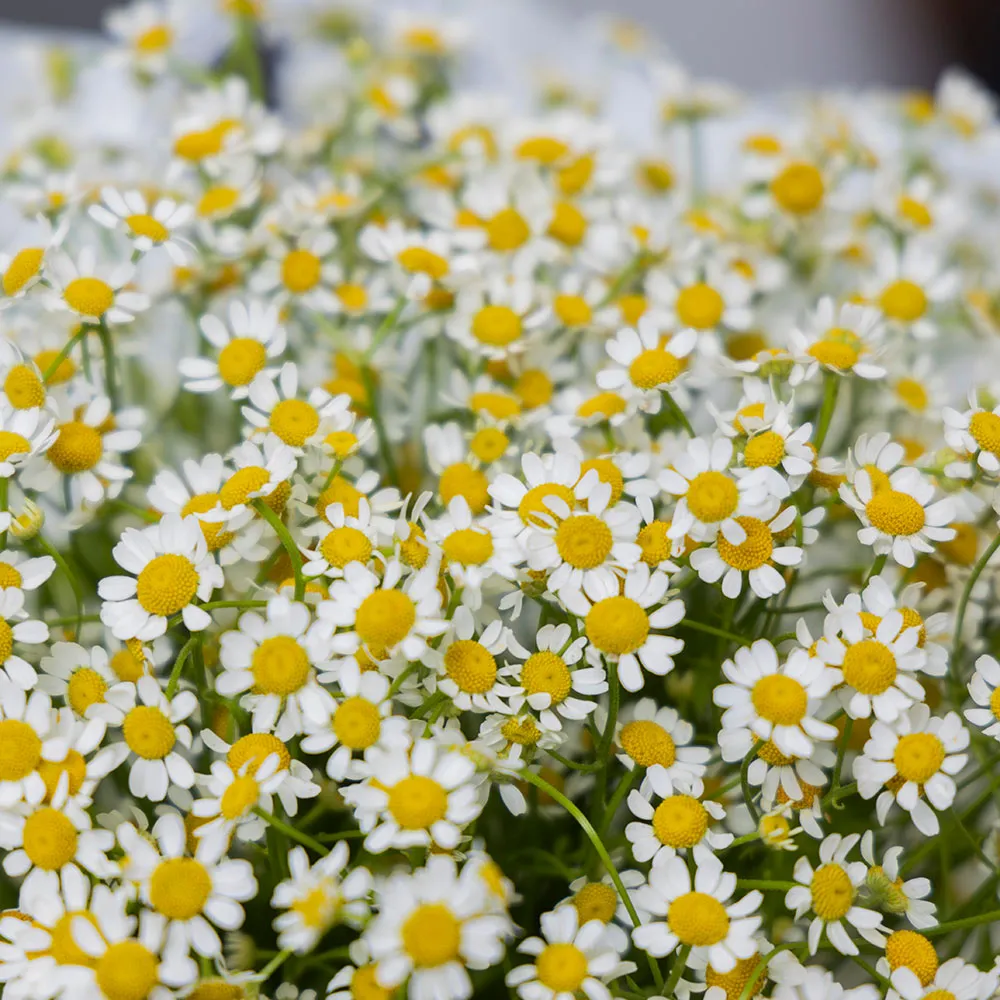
(260, 472)
(16, 628)
(649, 736)
(703, 300)
(767, 700)
(24, 573)
(248, 339)
(316, 897)
(983, 688)
(146, 225)
(907, 287)
(956, 978)
(82, 677)
(624, 622)
(298, 271)
(975, 433)
(172, 567)
(361, 719)
(647, 362)
(418, 262)
(574, 956)
(900, 518)
(778, 458)
(341, 541)
(813, 982)
(840, 340)
(192, 895)
(912, 762)
(23, 435)
(680, 821)
(94, 290)
(829, 892)
(31, 741)
(548, 678)
(697, 912)
(415, 797)
(494, 318)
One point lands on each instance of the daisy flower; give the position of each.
(96, 291)
(877, 667)
(361, 719)
(679, 822)
(547, 678)
(341, 541)
(22, 572)
(983, 688)
(16, 628)
(767, 700)
(144, 33)
(23, 435)
(146, 226)
(623, 623)
(975, 432)
(702, 299)
(745, 545)
(22, 268)
(954, 978)
(247, 339)
(384, 615)
(778, 775)
(646, 362)
(495, 317)
(31, 740)
(273, 659)
(300, 270)
(82, 677)
(777, 459)
(572, 957)
(172, 567)
(812, 982)
(151, 728)
(193, 895)
(840, 340)
(697, 912)
(261, 471)
(709, 495)
(653, 737)
(430, 927)
(830, 891)
(317, 897)
(417, 261)
(414, 798)
(913, 763)
(600, 901)
(890, 893)
(900, 518)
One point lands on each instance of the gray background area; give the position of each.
(760, 44)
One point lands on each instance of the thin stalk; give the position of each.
(291, 831)
(288, 543)
(831, 387)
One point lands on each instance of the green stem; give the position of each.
(712, 630)
(574, 765)
(182, 656)
(958, 925)
(64, 567)
(4, 487)
(762, 965)
(245, 57)
(679, 415)
(680, 963)
(274, 965)
(617, 798)
(831, 386)
(291, 831)
(384, 444)
(747, 838)
(841, 753)
(64, 353)
(956, 648)
(758, 883)
(110, 367)
(285, 537)
(542, 785)
(877, 566)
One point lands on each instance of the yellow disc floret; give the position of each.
(584, 541)
(49, 839)
(895, 513)
(89, 296)
(869, 667)
(712, 496)
(431, 935)
(77, 447)
(617, 625)
(471, 666)
(698, 919)
(166, 584)
(918, 757)
(280, 666)
(832, 892)
(779, 699)
(385, 618)
(148, 732)
(417, 802)
(179, 888)
(127, 971)
(357, 723)
(562, 967)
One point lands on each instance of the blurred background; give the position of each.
(757, 44)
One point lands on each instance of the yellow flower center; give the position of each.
(648, 743)
(6, 641)
(895, 513)
(764, 449)
(712, 496)
(522, 730)
(534, 387)
(699, 306)
(839, 349)
(572, 310)
(23, 388)
(364, 985)
(127, 971)
(129, 664)
(915, 212)
(754, 551)
(77, 448)
(10, 576)
(353, 297)
(562, 968)
(154, 39)
(217, 989)
(218, 201)
(698, 919)
(533, 509)
(496, 404)
(432, 935)
(468, 547)
(346, 545)
(910, 950)
(385, 618)
(256, 748)
(985, 430)
(73, 765)
(63, 947)
(604, 405)
(653, 541)
(166, 584)
(488, 444)
(13, 444)
(417, 802)
(341, 443)
(995, 703)
(240, 360)
(49, 839)
(680, 821)
(413, 550)
(238, 487)
(654, 367)
(798, 188)
(596, 901)
(545, 149)
(573, 178)
(903, 300)
(584, 541)
(546, 672)
(912, 393)
(280, 666)
(507, 231)
(179, 888)
(608, 473)
(869, 667)
(357, 723)
(294, 421)
(146, 225)
(939, 995)
(617, 625)
(780, 700)
(471, 666)
(300, 271)
(89, 296)
(832, 892)
(496, 326)
(148, 732)
(918, 757)
(86, 687)
(239, 797)
(24, 266)
(215, 537)
(462, 480)
(568, 225)
(419, 260)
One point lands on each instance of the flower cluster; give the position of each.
(448, 547)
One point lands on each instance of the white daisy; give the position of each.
(17, 629)
(97, 291)
(983, 688)
(146, 226)
(650, 736)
